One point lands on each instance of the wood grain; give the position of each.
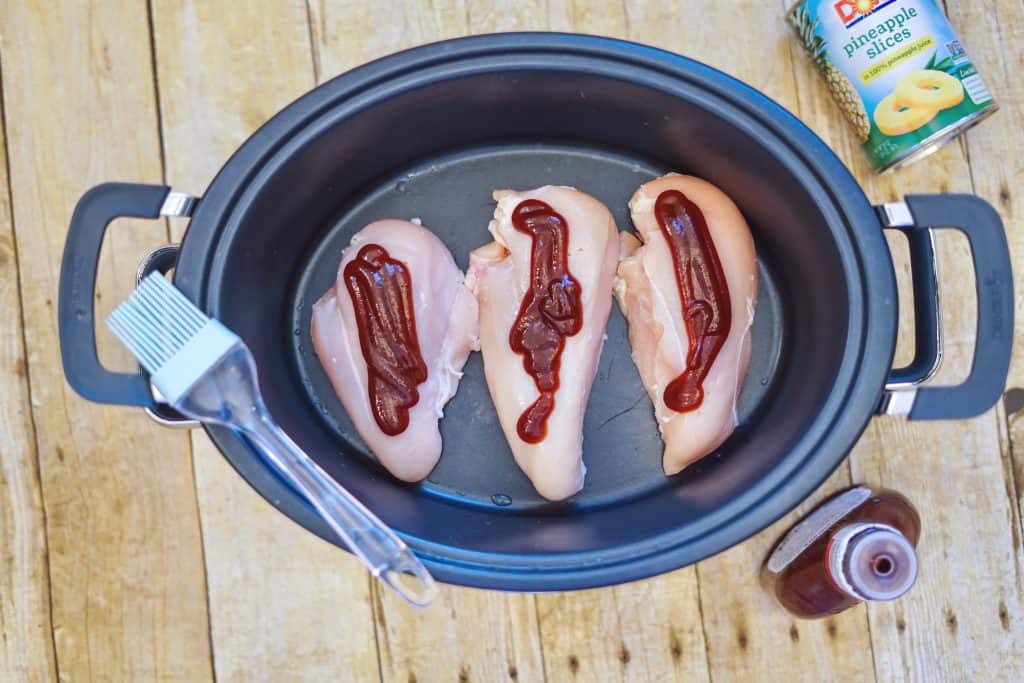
(996, 175)
(643, 631)
(466, 635)
(596, 17)
(284, 604)
(26, 642)
(993, 33)
(352, 32)
(953, 471)
(126, 575)
(100, 511)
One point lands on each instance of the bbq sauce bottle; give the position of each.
(857, 546)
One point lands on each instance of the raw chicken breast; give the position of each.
(648, 293)
(565, 303)
(445, 327)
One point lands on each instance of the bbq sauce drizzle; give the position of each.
(381, 292)
(551, 311)
(703, 291)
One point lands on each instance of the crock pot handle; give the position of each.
(76, 311)
(994, 288)
(927, 330)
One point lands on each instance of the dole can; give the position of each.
(897, 70)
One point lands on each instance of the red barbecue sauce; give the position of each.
(381, 292)
(551, 310)
(707, 312)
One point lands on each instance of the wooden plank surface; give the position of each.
(121, 536)
(26, 642)
(970, 562)
(125, 563)
(996, 175)
(284, 605)
(348, 33)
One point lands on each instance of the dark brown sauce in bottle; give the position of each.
(704, 293)
(860, 545)
(381, 292)
(551, 311)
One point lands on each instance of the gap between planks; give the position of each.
(158, 109)
(32, 437)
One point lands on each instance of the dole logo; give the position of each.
(852, 10)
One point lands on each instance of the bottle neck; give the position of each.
(871, 561)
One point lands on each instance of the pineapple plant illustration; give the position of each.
(842, 90)
(946, 65)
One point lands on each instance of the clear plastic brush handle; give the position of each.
(228, 394)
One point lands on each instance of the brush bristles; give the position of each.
(156, 322)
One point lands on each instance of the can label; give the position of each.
(895, 67)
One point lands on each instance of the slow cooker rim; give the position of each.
(471, 567)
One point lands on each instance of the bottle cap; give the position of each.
(872, 561)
